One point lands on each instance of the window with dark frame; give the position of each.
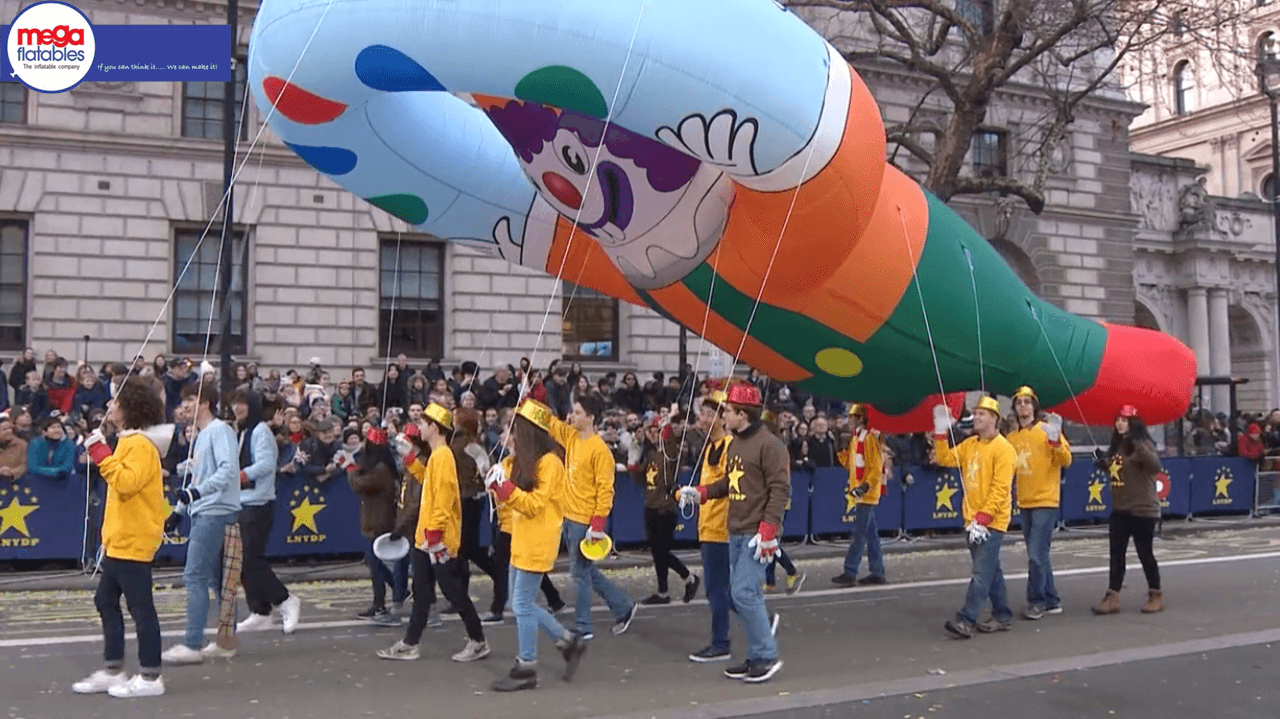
(202, 106)
(1183, 86)
(13, 103)
(980, 13)
(990, 152)
(590, 325)
(13, 284)
(195, 319)
(411, 296)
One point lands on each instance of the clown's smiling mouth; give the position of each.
(618, 204)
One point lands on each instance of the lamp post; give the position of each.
(1268, 71)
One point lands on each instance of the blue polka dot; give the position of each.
(329, 160)
(387, 69)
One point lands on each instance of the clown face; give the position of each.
(644, 202)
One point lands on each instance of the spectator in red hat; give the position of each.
(1250, 445)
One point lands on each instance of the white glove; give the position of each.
(403, 445)
(184, 466)
(594, 536)
(497, 475)
(1053, 427)
(765, 549)
(977, 533)
(941, 419)
(723, 141)
(689, 496)
(94, 438)
(438, 552)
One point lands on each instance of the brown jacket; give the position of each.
(410, 498)
(1133, 482)
(757, 480)
(14, 456)
(657, 474)
(470, 483)
(377, 491)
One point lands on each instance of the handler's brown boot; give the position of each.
(1155, 602)
(1110, 604)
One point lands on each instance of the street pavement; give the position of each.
(874, 652)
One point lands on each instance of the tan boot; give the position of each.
(1155, 602)
(1110, 604)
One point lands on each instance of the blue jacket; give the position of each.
(261, 474)
(40, 462)
(215, 471)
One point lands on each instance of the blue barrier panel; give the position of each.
(889, 511)
(1222, 485)
(933, 501)
(42, 518)
(832, 511)
(1177, 503)
(175, 550)
(626, 524)
(1086, 493)
(314, 518)
(797, 521)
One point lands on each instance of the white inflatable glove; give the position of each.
(977, 533)
(765, 549)
(689, 496)
(403, 445)
(438, 552)
(941, 419)
(1053, 427)
(497, 475)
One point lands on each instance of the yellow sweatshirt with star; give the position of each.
(133, 521)
(441, 506)
(872, 466)
(1039, 467)
(713, 517)
(589, 487)
(986, 470)
(537, 518)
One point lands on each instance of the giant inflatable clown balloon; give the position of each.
(716, 161)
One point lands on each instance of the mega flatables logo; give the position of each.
(51, 46)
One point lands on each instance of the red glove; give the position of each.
(702, 491)
(244, 480)
(597, 524)
(503, 489)
(99, 451)
(433, 536)
(411, 430)
(767, 532)
(982, 518)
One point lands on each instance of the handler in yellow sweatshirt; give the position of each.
(132, 531)
(866, 483)
(588, 500)
(436, 540)
(1042, 455)
(986, 462)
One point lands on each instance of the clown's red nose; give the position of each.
(562, 190)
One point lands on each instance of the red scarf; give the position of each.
(858, 471)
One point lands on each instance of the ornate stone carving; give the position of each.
(1196, 210)
(1153, 201)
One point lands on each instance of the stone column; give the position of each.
(1198, 327)
(1220, 345)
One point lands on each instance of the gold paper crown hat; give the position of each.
(858, 410)
(1025, 391)
(536, 412)
(439, 415)
(990, 404)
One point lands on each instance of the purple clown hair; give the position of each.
(527, 126)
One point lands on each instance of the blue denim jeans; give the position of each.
(866, 537)
(987, 582)
(587, 577)
(1037, 530)
(746, 578)
(530, 615)
(715, 582)
(203, 571)
(383, 577)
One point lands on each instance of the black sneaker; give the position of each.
(370, 613)
(762, 671)
(707, 655)
(738, 671)
(960, 628)
(656, 599)
(519, 678)
(872, 579)
(572, 653)
(844, 580)
(624, 624)
(691, 588)
(555, 607)
(493, 620)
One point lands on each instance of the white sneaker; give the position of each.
(138, 686)
(214, 651)
(99, 682)
(400, 651)
(182, 654)
(290, 610)
(473, 651)
(255, 623)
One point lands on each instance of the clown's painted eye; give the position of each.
(571, 152)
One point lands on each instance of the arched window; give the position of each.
(1269, 187)
(1183, 86)
(1267, 46)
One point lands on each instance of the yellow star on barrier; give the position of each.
(735, 476)
(1220, 486)
(304, 515)
(15, 516)
(1095, 492)
(944, 496)
(652, 475)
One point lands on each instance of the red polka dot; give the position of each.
(299, 105)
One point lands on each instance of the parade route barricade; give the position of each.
(933, 501)
(314, 518)
(42, 517)
(1267, 493)
(1221, 485)
(831, 509)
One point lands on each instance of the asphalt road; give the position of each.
(840, 647)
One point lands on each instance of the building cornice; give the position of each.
(41, 138)
(1225, 111)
